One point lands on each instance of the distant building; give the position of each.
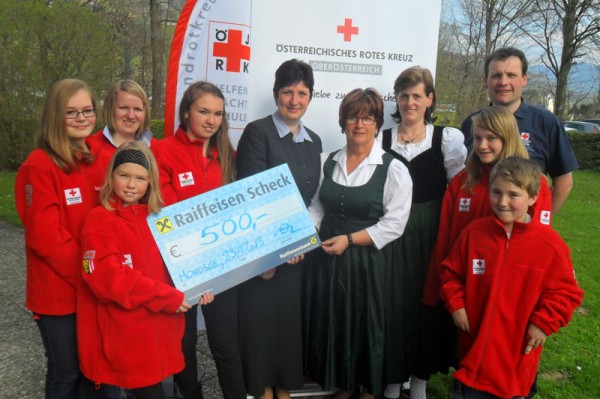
(550, 103)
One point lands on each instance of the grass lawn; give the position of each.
(570, 364)
(7, 198)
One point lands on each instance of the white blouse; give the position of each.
(453, 148)
(397, 193)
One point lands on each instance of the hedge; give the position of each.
(587, 149)
(586, 146)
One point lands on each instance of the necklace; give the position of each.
(408, 141)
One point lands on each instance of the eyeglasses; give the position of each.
(87, 113)
(366, 120)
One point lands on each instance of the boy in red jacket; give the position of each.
(508, 283)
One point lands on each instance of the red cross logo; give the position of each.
(72, 193)
(234, 50)
(525, 136)
(347, 30)
(186, 176)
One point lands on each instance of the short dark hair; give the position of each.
(291, 72)
(359, 101)
(503, 53)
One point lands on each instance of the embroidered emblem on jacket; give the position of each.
(127, 260)
(526, 139)
(73, 196)
(478, 266)
(88, 261)
(186, 179)
(28, 194)
(464, 204)
(545, 217)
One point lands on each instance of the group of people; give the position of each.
(426, 260)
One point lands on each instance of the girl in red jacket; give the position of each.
(495, 137)
(54, 191)
(130, 323)
(197, 159)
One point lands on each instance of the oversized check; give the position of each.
(221, 238)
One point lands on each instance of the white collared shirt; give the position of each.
(397, 193)
(283, 129)
(146, 137)
(453, 148)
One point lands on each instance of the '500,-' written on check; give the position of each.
(221, 238)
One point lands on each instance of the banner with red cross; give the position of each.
(239, 44)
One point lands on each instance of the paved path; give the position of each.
(22, 360)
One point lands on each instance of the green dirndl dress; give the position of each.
(345, 322)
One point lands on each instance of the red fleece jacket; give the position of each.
(459, 208)
(184, 171)
(52, 206)
(505, 284)
(105, 149)
(128, 330)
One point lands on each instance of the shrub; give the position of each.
(157, 126)
(587, 150)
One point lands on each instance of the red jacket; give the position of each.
(505, 284)
(128, 330)
(52, 206)
(459, 208)
(184, 172)
(105, 149)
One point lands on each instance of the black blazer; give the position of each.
(260, 148)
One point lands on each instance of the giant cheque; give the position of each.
(221, 238)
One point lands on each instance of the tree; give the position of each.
(468, 34)
(565, 30)
(42, 42)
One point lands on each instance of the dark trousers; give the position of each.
(222, 332)
(470, 393)
(187, 380)
(155, 391)
(63, 377)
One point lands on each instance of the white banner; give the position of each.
(349, 44)
(211, 43)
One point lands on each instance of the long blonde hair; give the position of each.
(503, 124)
(52, 136)
(152, 197)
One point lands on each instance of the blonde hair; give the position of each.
(152, 197)
(522, 172)
(110, 105)
(503, 124)
(52, 136)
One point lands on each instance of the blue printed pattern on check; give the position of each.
(218, 239)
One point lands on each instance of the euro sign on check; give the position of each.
(223, 237)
